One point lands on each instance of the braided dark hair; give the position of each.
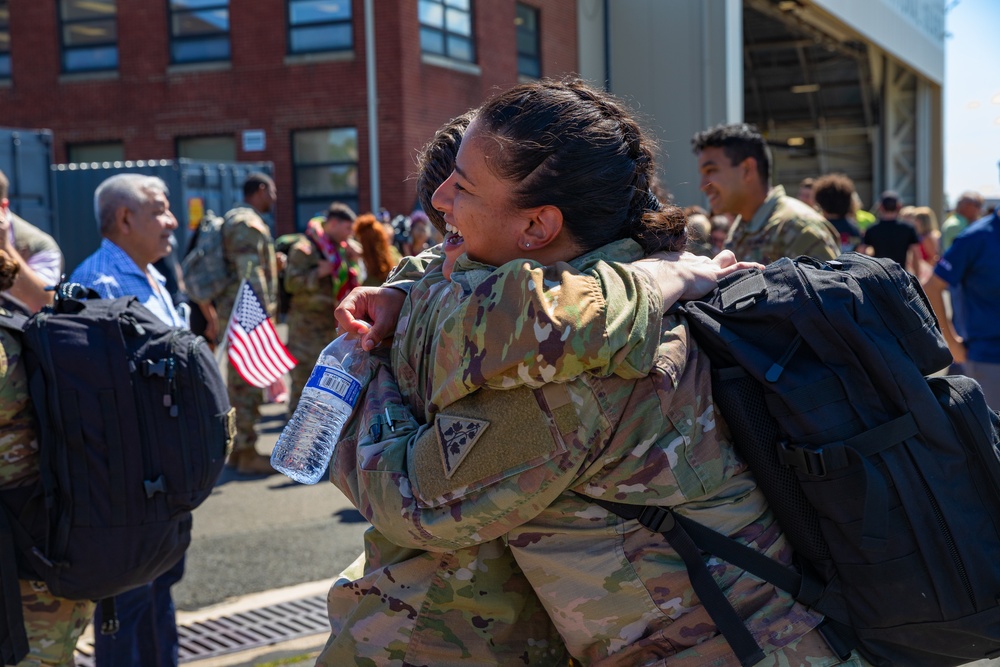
(568, 145)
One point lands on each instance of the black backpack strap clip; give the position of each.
(109, 617)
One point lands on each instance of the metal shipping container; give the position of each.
(194, 188)
(25, 156)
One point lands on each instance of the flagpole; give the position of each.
(220, 351)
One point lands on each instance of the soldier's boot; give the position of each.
(248, 462)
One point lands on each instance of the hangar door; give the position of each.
(812, 95)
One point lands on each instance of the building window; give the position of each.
(325, 164)
(529, 59)
(108, 151)
(4, 40)
(199, 30)
(319, 25)
(207, 149)
(89, 31)
(446, 29)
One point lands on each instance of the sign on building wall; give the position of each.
(253, 140)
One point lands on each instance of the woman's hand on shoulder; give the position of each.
(682, 276)
(379, 306)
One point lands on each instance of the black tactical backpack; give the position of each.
(886, 482)
(134, 426)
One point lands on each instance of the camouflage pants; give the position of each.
(53, 625)
(246, 399)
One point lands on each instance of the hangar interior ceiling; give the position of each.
(810, 90)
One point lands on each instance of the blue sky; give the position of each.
(972, 98)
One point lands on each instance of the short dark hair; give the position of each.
(254, 181)
(435, 163)
(738, 141)
(565, 144)
(890, 200)
(341, 211)
(833, 193)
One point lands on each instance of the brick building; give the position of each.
(279, 80)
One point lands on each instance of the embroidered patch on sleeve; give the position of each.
(456, 436)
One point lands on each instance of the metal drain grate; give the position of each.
(244, 630)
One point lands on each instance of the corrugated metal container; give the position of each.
(25, 156)
(194, 188)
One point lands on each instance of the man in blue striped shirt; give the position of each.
(137, 229)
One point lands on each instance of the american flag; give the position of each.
(254, 348)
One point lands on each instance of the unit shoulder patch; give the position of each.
(456, 437)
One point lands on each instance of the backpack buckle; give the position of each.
(158, 368)
(657, 519)
(809, 461)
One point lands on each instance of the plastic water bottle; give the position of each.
(305, 446)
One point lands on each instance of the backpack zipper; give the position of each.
(952, 549)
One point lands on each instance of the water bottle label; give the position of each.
(335, 381)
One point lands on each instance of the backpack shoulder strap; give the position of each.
(13, 638)
(13, 321)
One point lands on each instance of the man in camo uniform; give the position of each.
(53, 624)
(249, 252)
(735, 167)
(319, 274)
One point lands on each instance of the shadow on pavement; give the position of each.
(348, 515)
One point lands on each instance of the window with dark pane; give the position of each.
(4, 40)
(319, 25)
(199, 30)
(325, 164)
(446, 29)
(88, 35)
(529, 58)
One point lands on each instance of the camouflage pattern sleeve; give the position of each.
(248, 244)
(524, 324)
(391, 468)
(812, 239)
(18, 445)
(411, 269)
(302, 272)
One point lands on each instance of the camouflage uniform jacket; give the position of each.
(313, 300)
(504, 465)
(247, 241)
(473, 605)
(592, 315)
(53, 624)
(783, 227)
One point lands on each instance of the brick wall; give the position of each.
(148, 104)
